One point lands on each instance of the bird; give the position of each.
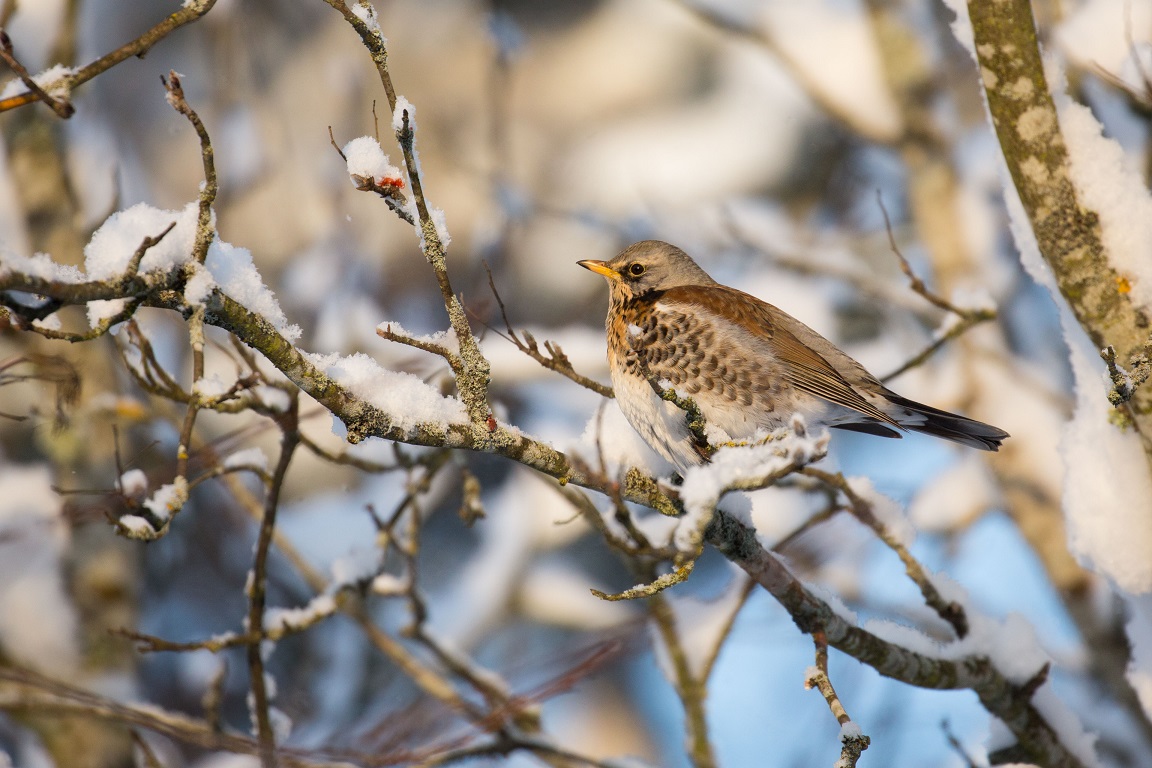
(745, 364)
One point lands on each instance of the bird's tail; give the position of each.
(950, 426)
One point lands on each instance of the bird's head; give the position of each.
(646, 266)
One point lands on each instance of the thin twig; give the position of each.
(954, 742)
(852, 744)
(587, 510)
(191, 11)
(691, 688)
(387, 188)
(966, 317)
(1125, 383)
(52, 369)
(196, 342)
(819, 680)
(126, 282)
(151, 759)
(746, 590)
(693, 417)
(364, 465)
(949, 610)
(957, 330)
(555, 360)
(651, 588)
(62, 107)
(47, 696)
(799, 71)
(213, 698)
(422, 675)
(453, 360)
(145, 643)
(205, 232)
(472, 383)
(830, 510)
(290, 439)
(914, 281)
(146, 244)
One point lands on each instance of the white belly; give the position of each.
(664, 426)
(661, 424)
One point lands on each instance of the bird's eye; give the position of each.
(636, 269)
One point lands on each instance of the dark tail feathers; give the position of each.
(938, 423)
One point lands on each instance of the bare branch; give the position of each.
(555, 360)
(1011, 703)
(852, 744)
(290, 439)
(205, 232)
(191, 11)
(952, 612)
(966, 318)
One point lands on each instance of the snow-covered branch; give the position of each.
(1096, 281)
(370, 519)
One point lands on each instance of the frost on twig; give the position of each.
(676, 576)
(734, 467)
(742, 467)
(441, 344)
(472, 379)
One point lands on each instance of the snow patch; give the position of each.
(406, 399)
(365, 158)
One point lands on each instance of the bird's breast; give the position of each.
(734, 381)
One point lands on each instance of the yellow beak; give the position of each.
(600, 268)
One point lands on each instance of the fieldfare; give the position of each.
(746, 365)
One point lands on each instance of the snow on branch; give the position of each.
(145, 257)
(1055, 158)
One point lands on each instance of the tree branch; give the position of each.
(1068, 234)
(191, 11)
(1009, 702)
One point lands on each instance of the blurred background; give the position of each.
(768, 138)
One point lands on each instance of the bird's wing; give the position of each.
(800, 365)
